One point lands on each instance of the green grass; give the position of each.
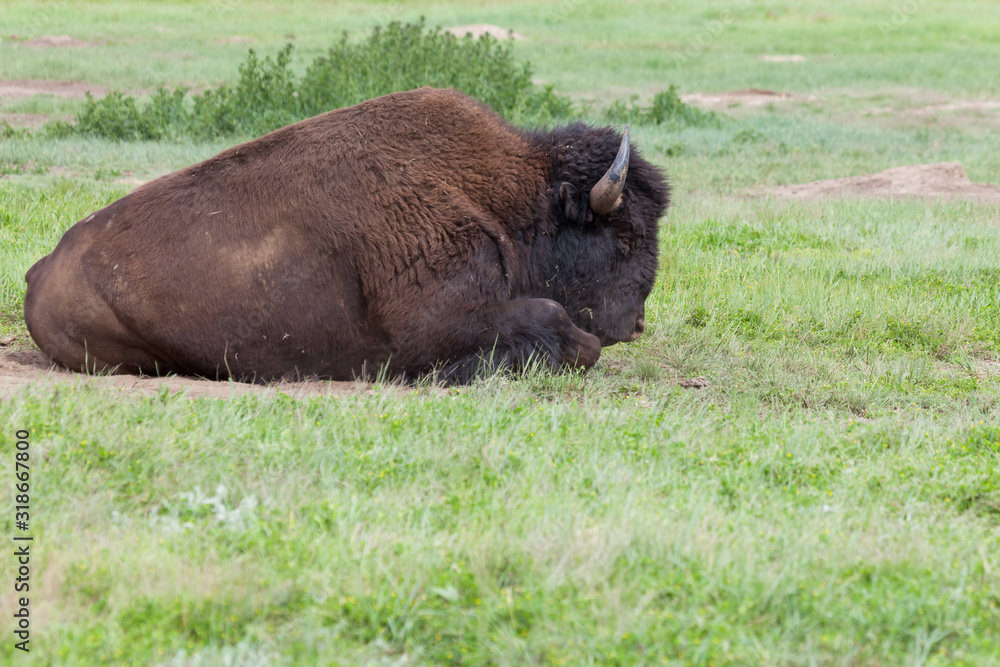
(562, 520)
(578, 46)
(832, 497)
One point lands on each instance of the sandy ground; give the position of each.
(134, 182)
(57, 41)
(236, 40)
(790, 58)
(749, 97)
(29, 120)
(23, 366)
(10, 90)
(894, 108)
(944, 180)
(29, 87)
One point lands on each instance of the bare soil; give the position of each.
(135, 182)
(29, 87)
(965, 105)
(987, 368)
(57, 41)
(29, 120)
(944, 180)
(749, 97)
(908, 107)
(23, 366)
(791, 58)
(961, 114)
(477, 30)
(898, 107)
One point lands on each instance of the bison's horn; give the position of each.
(606, 196)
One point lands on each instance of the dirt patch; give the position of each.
(135, 182)
(29, 87)
(961, 114)
(29, 120)
(477, 30)
(57, 41)
(25, 366)
(60, 171)
(751, 97)
(791, 58)
(237, 40)
(987, 369)
(969, 105)
(916, 107)
(944, 180)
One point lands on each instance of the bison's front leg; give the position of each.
(509, 335)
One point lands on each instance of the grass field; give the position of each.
(831, 497)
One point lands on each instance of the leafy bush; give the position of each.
(264, 99)
(667, 108)
(404, 57)
(115, 116)
(267, 96)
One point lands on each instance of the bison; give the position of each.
(416, 233)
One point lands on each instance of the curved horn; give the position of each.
(606, 196)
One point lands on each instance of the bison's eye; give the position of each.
(624, 244)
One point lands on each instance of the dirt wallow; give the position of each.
(76, 90)
(22, 367)
(746, 97)
(57, 42)
(943, 180)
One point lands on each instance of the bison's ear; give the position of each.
(574, 205)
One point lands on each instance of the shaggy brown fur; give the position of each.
(416, 231)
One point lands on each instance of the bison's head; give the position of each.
(605, 204)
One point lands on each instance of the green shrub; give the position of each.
(115, 117)
(667, 108)
(166, 114)
(267, 95)
(404, 57)
(397, 57)
(263, 99)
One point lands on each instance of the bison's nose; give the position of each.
(640, 326)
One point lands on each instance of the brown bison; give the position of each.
(411, 234)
